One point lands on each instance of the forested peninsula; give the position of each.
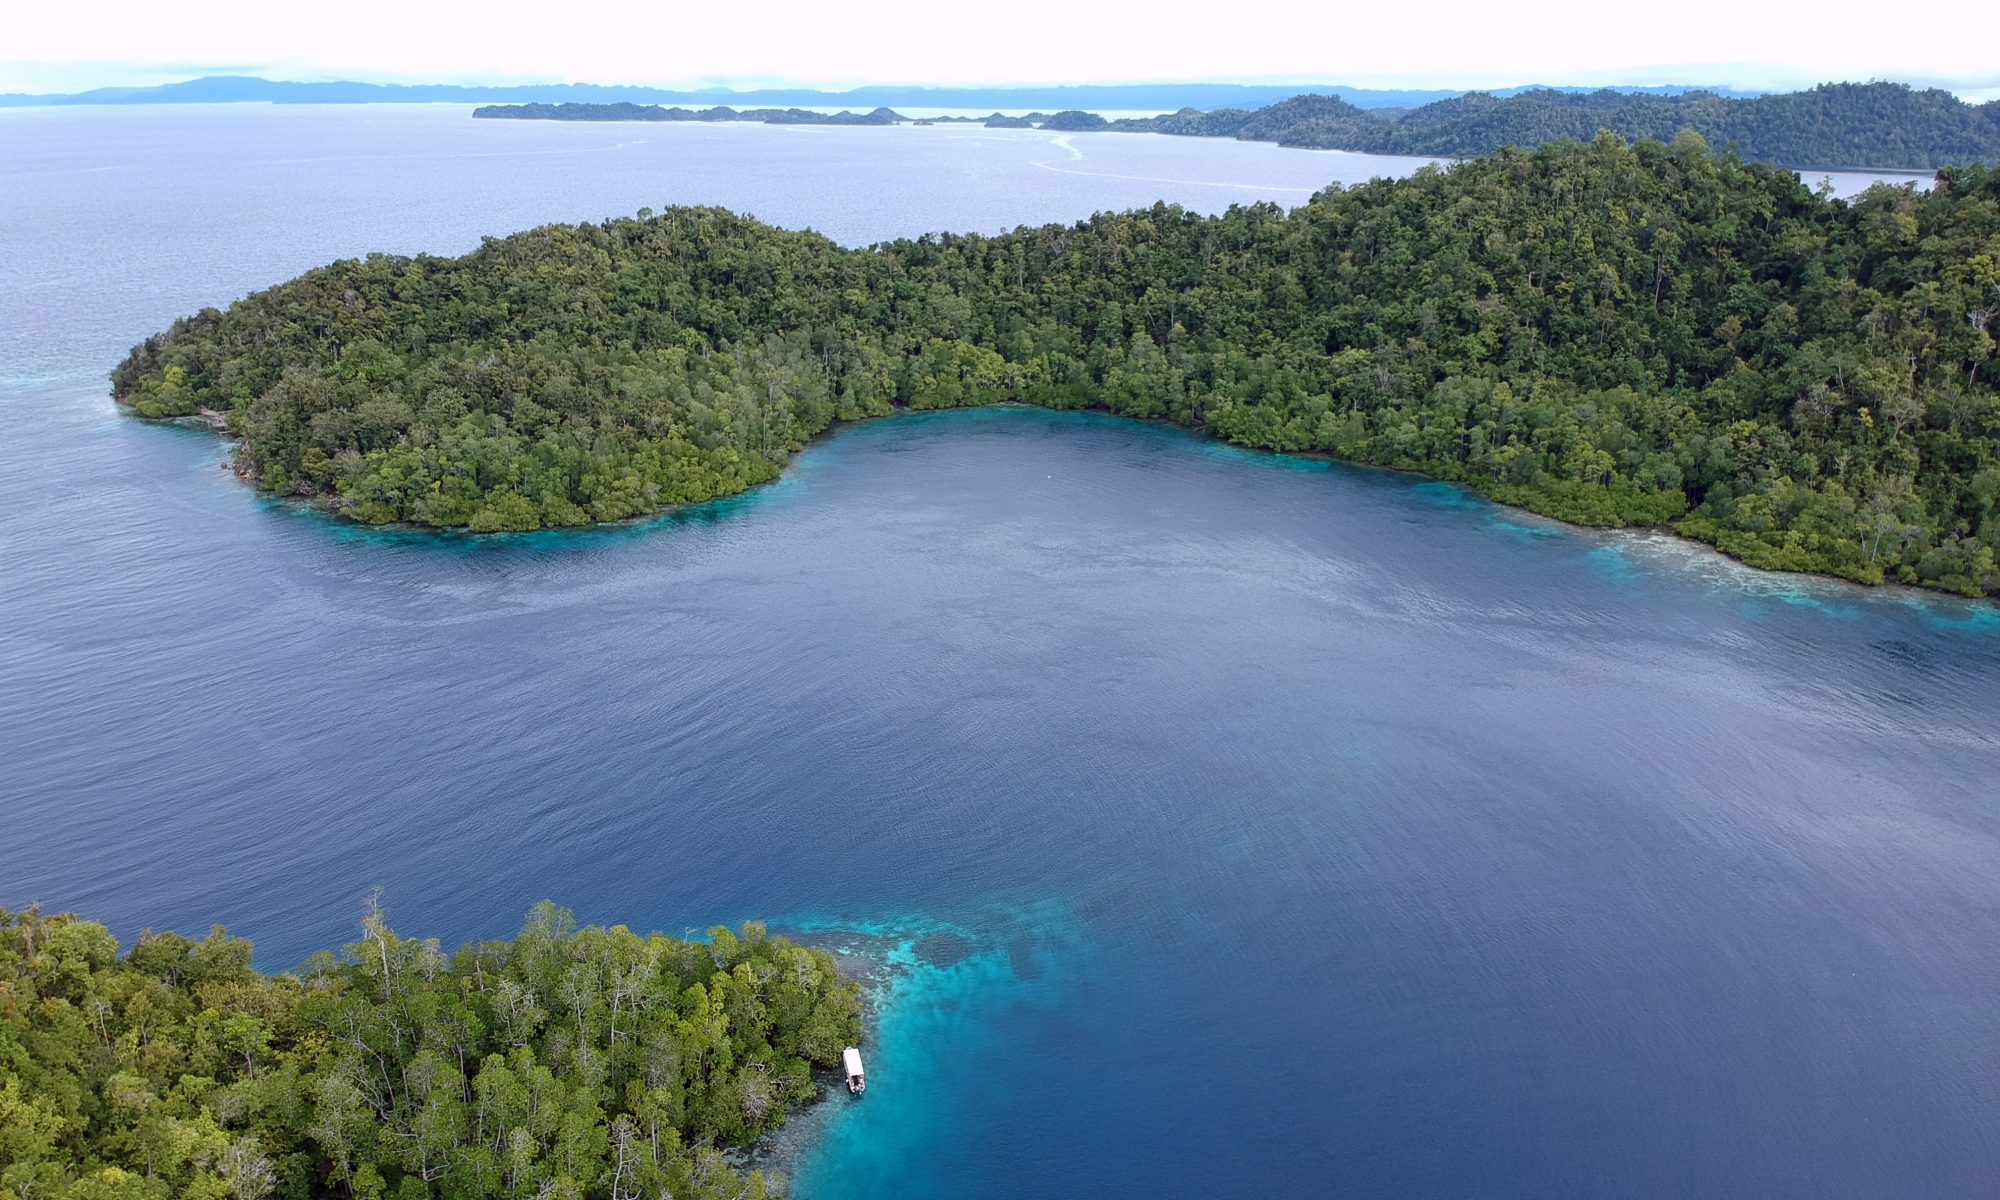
(1607, 333)
(1883, 125)
(1878, 125)
(565, 1064)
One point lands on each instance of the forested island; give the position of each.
(1879, 125)
(567, 1063)
(626, 111)
(1607, 333)
(1884, 125)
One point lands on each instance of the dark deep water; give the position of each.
(1251, 826)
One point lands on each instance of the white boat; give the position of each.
(850, 1061)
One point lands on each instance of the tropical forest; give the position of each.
(563, 1063)
(1610, 332)
(1832, 125)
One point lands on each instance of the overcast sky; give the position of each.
(1441, 43)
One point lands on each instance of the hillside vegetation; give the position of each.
(1607, 333)
(1884, 125)
(566, 1063)
(1879, 125)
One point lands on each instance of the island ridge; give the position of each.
(1607, 333)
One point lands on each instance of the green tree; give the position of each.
(1606, 332)
(585, 1062)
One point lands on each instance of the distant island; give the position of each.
(1879, 125)
(568, 1062)
(624, 111)
(241, 89)
(1884, 125)
(1609, 333)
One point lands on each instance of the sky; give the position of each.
(1458, 44)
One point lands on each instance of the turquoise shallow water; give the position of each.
(940, 993)
(1219, 823)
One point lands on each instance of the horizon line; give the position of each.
(744, 88)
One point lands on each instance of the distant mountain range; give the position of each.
(1165, 97)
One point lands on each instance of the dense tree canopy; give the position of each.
(1835, 124)
(566, 1063)
(1607, 333)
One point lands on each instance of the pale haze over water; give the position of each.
(1242, 825)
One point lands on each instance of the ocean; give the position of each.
(1216, 822)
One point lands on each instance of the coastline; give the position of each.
(216, 422)
(1783, 128)
(933, 992)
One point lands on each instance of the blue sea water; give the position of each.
(1220, 823)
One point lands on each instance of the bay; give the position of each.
(1222, 823)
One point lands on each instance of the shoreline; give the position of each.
(215, 422)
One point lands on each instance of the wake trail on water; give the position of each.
(1076, 155)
